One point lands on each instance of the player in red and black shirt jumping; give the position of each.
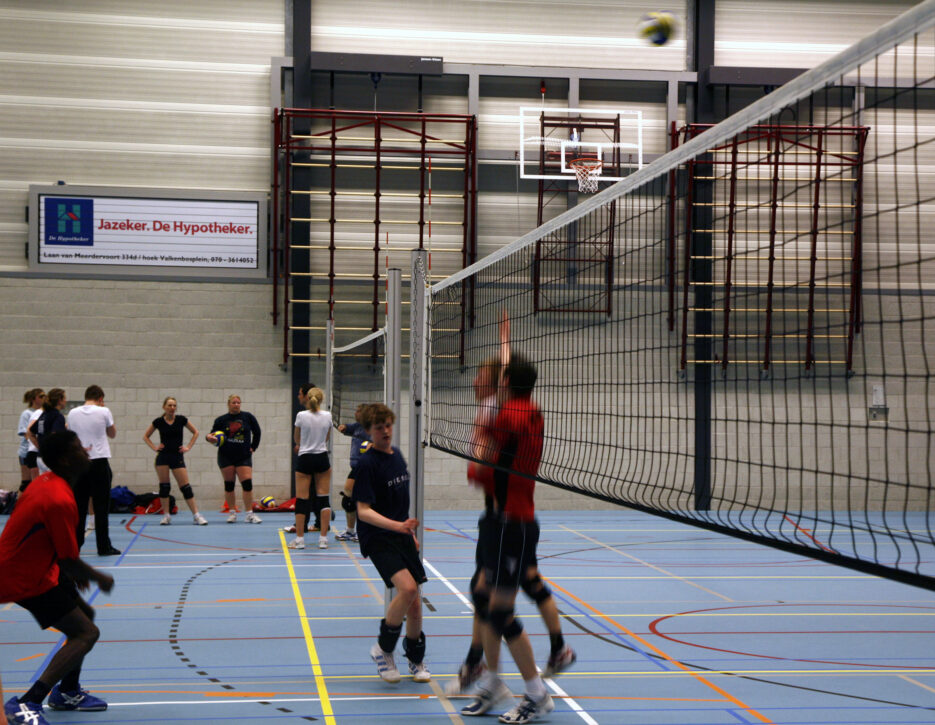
(40, 570)
(507, 543)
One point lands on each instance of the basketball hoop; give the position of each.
(587, 171)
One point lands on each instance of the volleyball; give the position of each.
(657, 28)
(220, 437)
(268, 502)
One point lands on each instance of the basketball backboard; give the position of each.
(551, 138)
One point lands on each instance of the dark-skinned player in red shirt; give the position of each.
(508, 543)
(41, 571)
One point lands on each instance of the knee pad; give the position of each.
(187, 492)
(164, 490)
(247, 484)
(415, 648)
(536, 589)
(505, 624)
(303, 506)
(229, 486)
(481, 601)
(323, 502)
(348, 503)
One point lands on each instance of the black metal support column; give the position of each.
(300, 206)
(702, 250)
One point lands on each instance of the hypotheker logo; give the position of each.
(69, 222)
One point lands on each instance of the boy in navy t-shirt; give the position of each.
(387, 536)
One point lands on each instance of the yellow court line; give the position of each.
(307, 632)
(698, 676)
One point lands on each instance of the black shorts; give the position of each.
(172, 460)
(30, 461)
(394, 553)
(49, 607)
(310, 463)
(509, 548)
(224, 461)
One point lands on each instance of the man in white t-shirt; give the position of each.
(94, 424)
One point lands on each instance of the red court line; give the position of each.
(654, 628)
(702, 679)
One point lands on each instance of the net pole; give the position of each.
(393, 337)
(417, 368)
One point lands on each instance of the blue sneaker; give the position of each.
(80, 700)
(27, 713)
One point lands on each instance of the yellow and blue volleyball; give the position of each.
(657, 28)
(268, 502)
(219, 437)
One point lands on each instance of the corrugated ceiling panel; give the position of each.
(795, 33)
(171, 94)
(590, 34)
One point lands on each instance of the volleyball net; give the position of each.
(737, 336)
(356, 375)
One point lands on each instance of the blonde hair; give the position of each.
(314, 398)
(232, 396)
(167, 399)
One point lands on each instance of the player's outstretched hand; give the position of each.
(342, 428)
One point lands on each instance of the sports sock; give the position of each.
(557, 641)
(535, 688)
(474, 656)
(69, 682)
(37, 693)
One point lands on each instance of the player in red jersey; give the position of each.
(508, 544)
(41, 571)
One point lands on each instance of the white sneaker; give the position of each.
(529, 709)
(386, 666)
(490, 691)
(419, 672)
(89, 526)
(166, 520)
(232, 517)
(297, 543)
(200, 520)
(252, 518)
(322, 542)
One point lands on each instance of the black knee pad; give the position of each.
(348, 503)
(324, 502)
(229, 486)
(164, 490)
(187, 492)
(303, 506)
(536, 589)
(247, 484)
(505, 624)
(480, 597)
(415, 648)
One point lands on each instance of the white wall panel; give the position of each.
(795, 33)
(588, 34)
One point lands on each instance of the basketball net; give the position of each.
(588, 172)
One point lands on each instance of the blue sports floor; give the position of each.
(672, 625)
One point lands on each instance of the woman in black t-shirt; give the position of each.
(235, 455)
(170, 455)
(51, 420)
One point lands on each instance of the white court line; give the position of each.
(273, 701)
(452, 587)
(555, 688)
